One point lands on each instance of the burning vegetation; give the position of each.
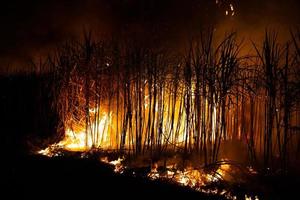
(137, 101)
(155, 100)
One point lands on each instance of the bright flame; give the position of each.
(78, 140)
(119, 168)
(189, 176)
(48, 151)
(195, 178)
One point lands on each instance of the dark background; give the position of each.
(32, 28)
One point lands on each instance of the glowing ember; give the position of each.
(250, 198)
(196, 179)
(227, 6)
(119, 168)
(49, 151)
(189, 176)
(251, 170)
(193, 178)
(154, 173)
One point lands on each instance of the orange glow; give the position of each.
(190, 176)
(101, 132)
(78, 140)
(194, 178)
(119, 168)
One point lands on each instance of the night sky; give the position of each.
(32, 28)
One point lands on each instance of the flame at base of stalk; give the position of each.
(194, 178)
(78, 140)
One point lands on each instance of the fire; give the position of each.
(49, 151)
(196, 179)
(78, 140)
(250, 198)
(192, 177)
(119, 168)
(141, 114)
(101, 132)
(154, 173)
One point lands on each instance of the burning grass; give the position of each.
(138, 101)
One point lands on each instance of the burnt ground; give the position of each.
(27, 120)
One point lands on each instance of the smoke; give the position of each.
(32, 29)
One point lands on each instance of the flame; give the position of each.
(100, 132)
(194, 178)
(250, 198)
(49, 151)
(119, 168)
(78, 140)
(154, 172)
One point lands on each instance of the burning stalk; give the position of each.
(194, 103)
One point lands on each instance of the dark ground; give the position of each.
(84, 177)
(27, 120)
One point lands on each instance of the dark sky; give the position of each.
(32, 28)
